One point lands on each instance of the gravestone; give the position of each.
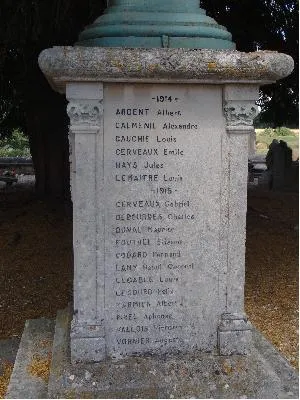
(279, 162)
(159, 149)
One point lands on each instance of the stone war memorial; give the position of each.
(161, 107)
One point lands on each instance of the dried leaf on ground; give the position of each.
(37, 267)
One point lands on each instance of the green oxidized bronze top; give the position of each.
(156, 23)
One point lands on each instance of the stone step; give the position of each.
(263, 374)
(8, 349)
(29, 378)
(60, 351)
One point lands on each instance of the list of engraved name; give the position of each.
(150, 257)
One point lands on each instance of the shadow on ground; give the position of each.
(36, 264)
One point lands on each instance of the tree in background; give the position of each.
(14, 145)
(26, 28)
(29, 26)
(266, 25)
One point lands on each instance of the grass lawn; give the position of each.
(263, 141)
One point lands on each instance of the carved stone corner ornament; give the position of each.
(240, 114)
(82, 113)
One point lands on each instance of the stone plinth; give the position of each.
(159, 148)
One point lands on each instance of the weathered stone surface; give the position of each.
(79, 64)
(159, 149)
(235, 335)
(159, 192)
(8, 350)
(162, 211)
(35, 349)
(263, 374)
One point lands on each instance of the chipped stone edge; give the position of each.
(36, 341)
(91, 64)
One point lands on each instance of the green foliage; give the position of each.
(279, 131)
(283, 131)
(27, 27)
(264, 138)
(268, 132)
(16, 145)
(266, 25)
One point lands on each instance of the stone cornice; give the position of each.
(90, 64)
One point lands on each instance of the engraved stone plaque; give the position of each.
(160, 249)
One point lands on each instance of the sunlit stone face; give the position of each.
(162, 178)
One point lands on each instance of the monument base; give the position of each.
(263, 374)
(87, 342)
(234, 335)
